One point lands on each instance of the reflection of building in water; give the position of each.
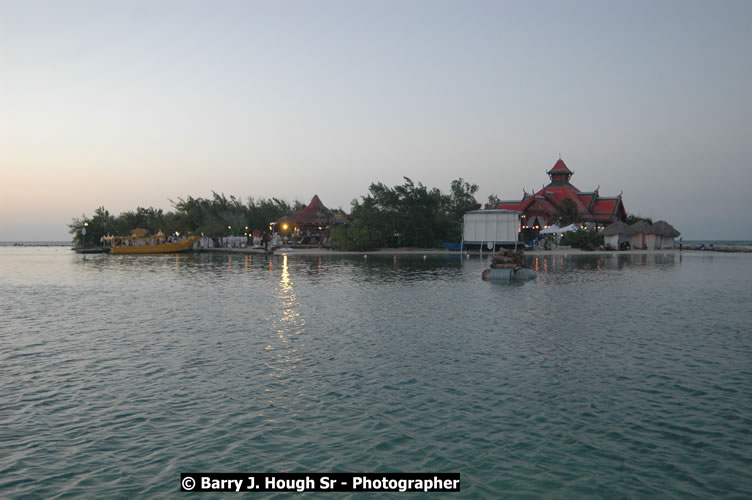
(599, 262)
(539, 209)
(639, 260)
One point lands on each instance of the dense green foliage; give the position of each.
(406, 215)
(210, 216)
(587, 240)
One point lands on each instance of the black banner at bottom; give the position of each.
(299, 482)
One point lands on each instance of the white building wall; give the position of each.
(497, 226)
(650, 240)
(612, 240)
(637, 241)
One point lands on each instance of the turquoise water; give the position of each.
(608, 376)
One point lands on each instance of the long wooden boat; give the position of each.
(145, 248)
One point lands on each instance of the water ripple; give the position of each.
(609, 376)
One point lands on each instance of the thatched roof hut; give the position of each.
(663, 228)
(616, 229)
(641, 226)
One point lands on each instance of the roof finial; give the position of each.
(560, 156)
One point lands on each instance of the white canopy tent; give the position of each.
(571, 227)
(552, 230)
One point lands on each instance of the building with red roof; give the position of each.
(538, 210)
(310, 225)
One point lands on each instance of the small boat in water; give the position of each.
(139, 243)
(508, 265)
(509, 274)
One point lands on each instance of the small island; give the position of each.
(397, 219)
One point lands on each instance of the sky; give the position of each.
(135, 103)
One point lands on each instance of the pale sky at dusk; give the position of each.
(134, 103)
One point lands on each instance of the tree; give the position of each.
(587, 240)
(632, 219)
(99, 225)
(212, 216)
(493, 201)
(190, 214)
(152, 219)
(409, 214)
(461, 199)
(567, 213)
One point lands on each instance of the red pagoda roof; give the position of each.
(314, 212)
(605, 207)
(560, 168)
(557, 194)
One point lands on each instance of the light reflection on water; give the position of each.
(288, 323)
(609, 375)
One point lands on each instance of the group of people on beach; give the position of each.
(266, 241)
(137, 242)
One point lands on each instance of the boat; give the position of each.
(139, 243)
(509, 274)
(167, 247)
(508, 265)
(91, 250)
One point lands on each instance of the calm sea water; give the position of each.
(608, 376)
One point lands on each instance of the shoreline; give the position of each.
(690, 250)
(435, 251)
